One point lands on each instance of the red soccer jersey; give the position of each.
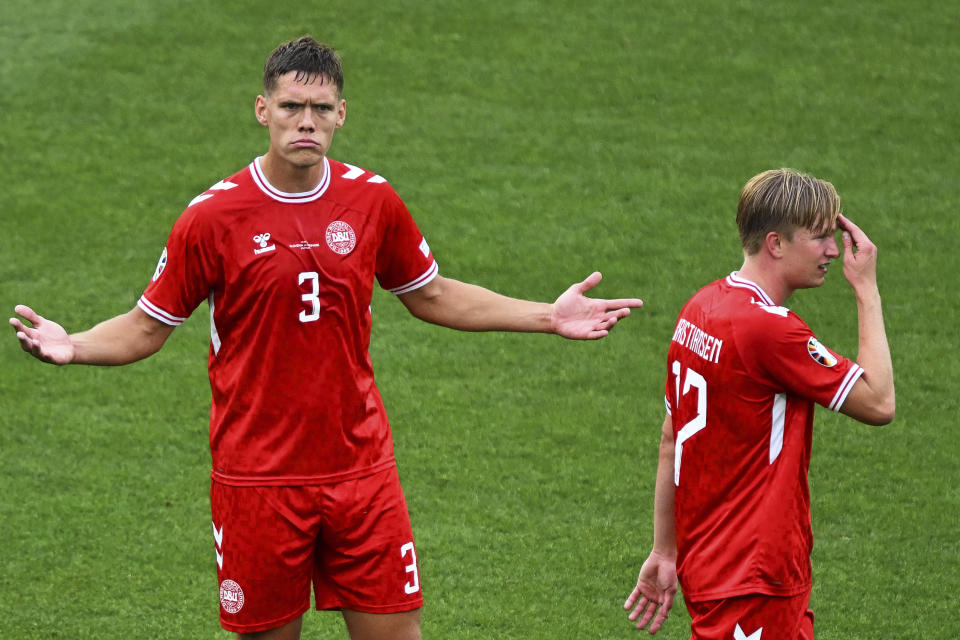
(743, 375)
(289, 279)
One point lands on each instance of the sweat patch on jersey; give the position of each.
(819, 353)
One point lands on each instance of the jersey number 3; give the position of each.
(699, 421)
(313, 298)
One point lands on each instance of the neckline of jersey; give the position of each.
(260, 179)
(736, 280)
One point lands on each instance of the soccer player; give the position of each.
(304, 482)
(732, 504)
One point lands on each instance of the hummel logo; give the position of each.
(218, 538)
(738, 634)
(262, 239)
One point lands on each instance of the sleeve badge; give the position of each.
(819, 353)
(161, 265)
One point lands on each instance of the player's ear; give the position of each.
(773, 244)
(260, 110)
(341, 113)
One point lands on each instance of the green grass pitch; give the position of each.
(534, 142)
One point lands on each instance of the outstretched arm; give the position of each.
(872, 399)
(653, 596)
(123, 339)
(467, 307)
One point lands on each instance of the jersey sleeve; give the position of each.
(185, 272)
(404, 259)
(784, 348)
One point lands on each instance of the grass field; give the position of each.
(534, 143)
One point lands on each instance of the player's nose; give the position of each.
(306, 122)
(833, 249)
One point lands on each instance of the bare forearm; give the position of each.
(467, 307)
(120, 340)
(664, 528)
(873, 353)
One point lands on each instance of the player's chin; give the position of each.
(306, 157)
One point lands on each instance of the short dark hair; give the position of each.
(309, 58)
(784, 200)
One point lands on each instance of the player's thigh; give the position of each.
(289, 631)
(383, 626)
(740, 618)
(367, 560)
(265, 547)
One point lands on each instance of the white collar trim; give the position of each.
(260, 179)
(736, 280)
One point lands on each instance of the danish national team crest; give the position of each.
(819, 353)
(340, 237)
(231, 596)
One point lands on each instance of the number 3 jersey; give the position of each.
(289, 280)
(743, 374)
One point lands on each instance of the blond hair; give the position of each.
(784, 200)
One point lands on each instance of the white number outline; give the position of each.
(698, 423)
(313, 297)
(411, 587)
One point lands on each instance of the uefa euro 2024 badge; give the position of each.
(819, 353)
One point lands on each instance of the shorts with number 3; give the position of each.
(351, 539)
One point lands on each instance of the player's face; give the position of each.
(807, 256)
(301, 116)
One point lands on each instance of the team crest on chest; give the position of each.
(340, 237)
(819, 353)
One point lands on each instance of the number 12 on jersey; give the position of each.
(699, 421)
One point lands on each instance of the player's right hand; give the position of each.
(654, 593)
(45, 340)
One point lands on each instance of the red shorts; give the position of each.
(352, 539)
(781, 618)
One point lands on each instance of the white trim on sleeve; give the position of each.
(852, 376)
(157, 313)
(427, 276)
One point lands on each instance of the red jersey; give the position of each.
(289, 279)
(743, 374)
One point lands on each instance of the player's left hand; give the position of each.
(580, 318)
(654, 593)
